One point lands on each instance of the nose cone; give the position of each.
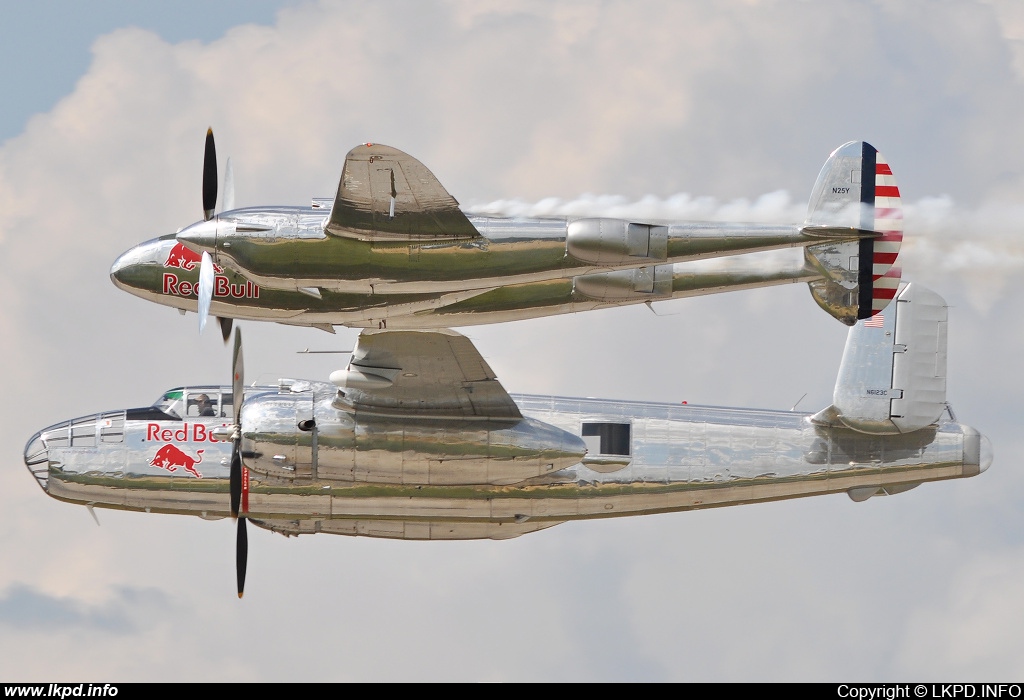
(146, 270)
(37, 459)
(122, 271)
(200, 236)
(978, 454)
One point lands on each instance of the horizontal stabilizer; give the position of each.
(385, 194)
(893, 375)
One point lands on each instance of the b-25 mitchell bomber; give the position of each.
(393, 250)
(417, 440)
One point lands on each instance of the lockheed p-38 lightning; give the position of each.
(393, 250)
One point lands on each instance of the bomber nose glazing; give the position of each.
(37, 459)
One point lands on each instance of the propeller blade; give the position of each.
(209, 177)
(237, 378)
(235, 481)
(237, 396)
(241, 555)
(228, 201)
(205, 292)
(225, 328)
(236, 475)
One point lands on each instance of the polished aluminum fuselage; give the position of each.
(643, 458)
(278, 264)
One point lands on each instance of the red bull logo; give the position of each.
(186, 258)
(222, 287)
(170, 457)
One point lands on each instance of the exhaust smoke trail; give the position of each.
(980, 248)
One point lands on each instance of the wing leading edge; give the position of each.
(385, 194)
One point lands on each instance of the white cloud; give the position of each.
(520, 101)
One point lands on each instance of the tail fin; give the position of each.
(849, 304)
(855, 191)
(893, 375)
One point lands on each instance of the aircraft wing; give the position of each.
(427, 374)
(385, 194)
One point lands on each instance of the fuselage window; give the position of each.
(170, 403)
(607, 438)
(227, 407)
(202, 403)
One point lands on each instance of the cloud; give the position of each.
(520, 102)
(25, 608)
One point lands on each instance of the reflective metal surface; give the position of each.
(680, 458)
(414, 457)
(145, 274)
(393, 248)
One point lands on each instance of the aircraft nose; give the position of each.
(125, 262)
(117, 270)
(37, 459)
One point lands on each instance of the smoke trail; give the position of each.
(980, 248)
(774, 207)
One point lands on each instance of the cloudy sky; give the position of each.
(733, 105)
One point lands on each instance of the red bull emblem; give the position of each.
(222, 287)
(170, 457)
(184, 257)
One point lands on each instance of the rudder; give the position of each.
(893, 374)
(855, 191)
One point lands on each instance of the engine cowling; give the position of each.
(615, 242)
(651, 282)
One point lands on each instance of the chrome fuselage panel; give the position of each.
(286, 247)
(294, 273)
(644, 458)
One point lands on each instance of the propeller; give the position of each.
(241, 556)
(237, 474)
(209, 176)
(204, 294)
(225, 328)
(237, 468)
(227, 202)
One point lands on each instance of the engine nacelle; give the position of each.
(615, 242)
(651, 282)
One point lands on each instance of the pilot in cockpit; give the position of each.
(204, 406)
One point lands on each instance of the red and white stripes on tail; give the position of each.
(884, 288)
(888, 220)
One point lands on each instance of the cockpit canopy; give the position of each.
(197, 402)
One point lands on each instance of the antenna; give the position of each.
(798, 402)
